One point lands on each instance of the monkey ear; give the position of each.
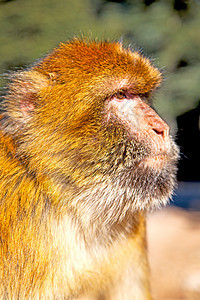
(24, 92)
(26, 98)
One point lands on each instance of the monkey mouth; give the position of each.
(156, 161)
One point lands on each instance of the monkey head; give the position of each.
(82, 119)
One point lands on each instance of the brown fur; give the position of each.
(73, 189)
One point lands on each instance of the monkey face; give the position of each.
(147, 156)
(141, 124)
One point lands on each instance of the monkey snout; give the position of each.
(161, 129)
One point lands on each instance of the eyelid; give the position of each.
(127, 94)
(121, 94)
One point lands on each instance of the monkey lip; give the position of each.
(156, 161)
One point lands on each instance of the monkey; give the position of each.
(84, 157)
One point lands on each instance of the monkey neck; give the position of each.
(98, 206)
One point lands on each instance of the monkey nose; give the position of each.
(158, 132)
(161, 129)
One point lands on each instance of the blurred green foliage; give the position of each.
(168, 31)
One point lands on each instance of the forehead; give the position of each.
(96, 62)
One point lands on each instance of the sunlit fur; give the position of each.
(74, 187)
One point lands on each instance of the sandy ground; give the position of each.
(174, 254)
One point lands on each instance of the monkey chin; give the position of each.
(156, 162)
(157, 179)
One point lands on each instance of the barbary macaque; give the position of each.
(83, 158)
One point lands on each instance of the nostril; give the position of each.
(162, 131)
(159, 132)
(157, 125)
